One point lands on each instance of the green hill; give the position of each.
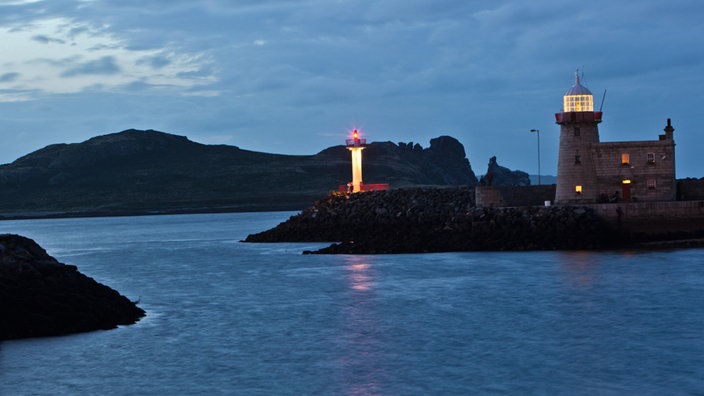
(148, 171)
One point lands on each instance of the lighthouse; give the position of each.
(356, 145)
(579, 134)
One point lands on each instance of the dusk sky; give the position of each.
(296, 76)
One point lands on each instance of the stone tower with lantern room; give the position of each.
(590, 171)
(579, 132)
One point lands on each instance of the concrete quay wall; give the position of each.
(654, 217)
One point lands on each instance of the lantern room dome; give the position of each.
(578, 98)
(578, 89)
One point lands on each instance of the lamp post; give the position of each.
(538, 132)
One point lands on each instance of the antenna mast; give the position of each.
(603, 97)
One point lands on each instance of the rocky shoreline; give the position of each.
(40, 296)
(439, 220)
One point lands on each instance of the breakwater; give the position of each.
(438, 220)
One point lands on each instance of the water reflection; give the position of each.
(360, 276)
(361, 345)
(580, 268)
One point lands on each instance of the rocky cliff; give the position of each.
(148, 171)
(40, 296)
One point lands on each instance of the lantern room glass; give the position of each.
(578, 103)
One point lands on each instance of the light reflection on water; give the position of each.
(226, 317)
(361, 365)
(579, 268)
(360, 277)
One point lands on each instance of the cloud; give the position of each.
(67, 55)
(9, 77)
(276, 71)
(103, 66)
(40, 38)
(155, 62)
(17, 2)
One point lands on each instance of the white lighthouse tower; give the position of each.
(356, 145)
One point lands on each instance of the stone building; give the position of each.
(590, 171)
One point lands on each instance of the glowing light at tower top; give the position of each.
(356, 141)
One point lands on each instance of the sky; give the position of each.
(297, 76)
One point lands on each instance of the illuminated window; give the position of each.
(626, 181)
(651, 158)
(651, 184)
(578, 103)
(578, 189)
(625, 159)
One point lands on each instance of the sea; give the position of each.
(226, 317)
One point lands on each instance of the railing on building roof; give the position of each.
(576, 116)
(356, 142)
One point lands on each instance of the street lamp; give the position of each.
(538, 132)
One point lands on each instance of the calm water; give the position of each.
(230, 318)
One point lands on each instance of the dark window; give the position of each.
(577, 131)
(577, 159)
(651, 158)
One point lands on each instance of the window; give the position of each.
(577, 159)
(626, 181)
(651, 158)
(578, 189)
(651, 184)
(578, 103)
(625, 159)
(577, 131)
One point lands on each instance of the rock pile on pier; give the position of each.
(40, 296)
(437, 220)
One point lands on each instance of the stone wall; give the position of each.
(654, 218)
(488, 196)
(511, 196)
(690, 190)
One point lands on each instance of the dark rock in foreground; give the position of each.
(437, 220)
(40, 296)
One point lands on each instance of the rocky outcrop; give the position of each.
(437, 220)
(497, 175)
(40, 296)
(404, 165)
(447, 160)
